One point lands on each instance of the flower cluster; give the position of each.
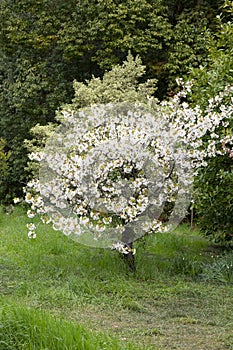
(31, 227)
(123, 248)
(109, 167)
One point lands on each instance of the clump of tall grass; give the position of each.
(23, 328)
(172, 254)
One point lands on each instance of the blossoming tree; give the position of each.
(111, 171)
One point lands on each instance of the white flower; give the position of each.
(84, 220)
(31, 226)
(29, 198)
(46, 219)
(16, 200)
(100, 228)
(37, 156)
(107, 220)
(32, 234)
(123, 248)
(94, 216)
(30, 214)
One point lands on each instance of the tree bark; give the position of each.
(127, 238)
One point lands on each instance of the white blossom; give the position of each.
(30, 214)
(32, 234)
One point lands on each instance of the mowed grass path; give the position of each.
(181, 296)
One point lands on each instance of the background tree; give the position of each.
(35, 78)
(214, 190)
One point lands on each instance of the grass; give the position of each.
(55, 292)
(27, 328)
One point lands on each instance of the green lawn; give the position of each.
(57, 294)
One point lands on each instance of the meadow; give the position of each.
(57, 294)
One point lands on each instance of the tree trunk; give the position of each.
(127, 238)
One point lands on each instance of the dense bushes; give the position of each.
(214, 199)
(213, 188)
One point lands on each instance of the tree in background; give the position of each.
(214, 185)
(35, 78)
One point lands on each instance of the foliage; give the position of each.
(193, 25)
(112, 28)
(4, 158)
(177, 7)
(213, 194)
(214, 199)
(34, 79)
(211, 77)
(120, 84)
(188, 48)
